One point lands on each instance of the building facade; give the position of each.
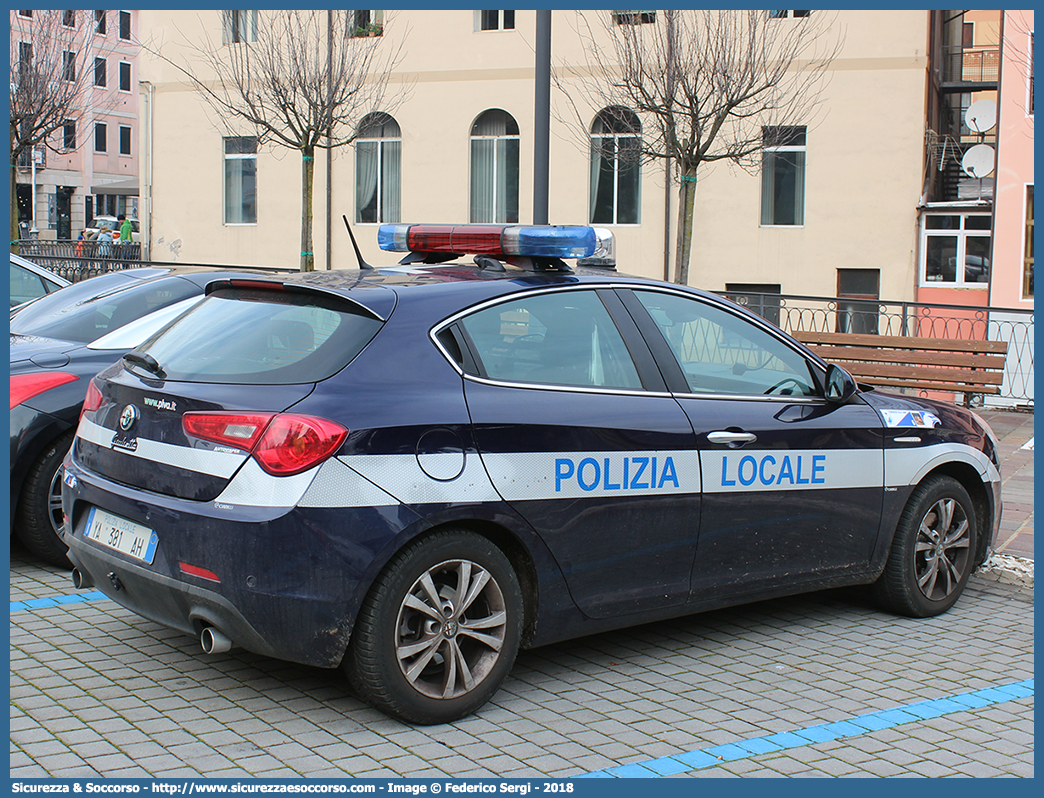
(845, 205)
(89, 166)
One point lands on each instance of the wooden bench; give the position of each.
(924, 364)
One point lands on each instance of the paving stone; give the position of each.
(619, 698)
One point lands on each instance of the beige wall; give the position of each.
(863, 180)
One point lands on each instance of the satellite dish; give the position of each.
(978, 161)
(981, 115)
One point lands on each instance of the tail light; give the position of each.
(282, 443)
(25, 386)
(93, 400)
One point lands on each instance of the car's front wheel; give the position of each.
(933, 550)
(38, 519)
(439, 630)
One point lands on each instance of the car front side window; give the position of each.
(723, 353)
(565, 338)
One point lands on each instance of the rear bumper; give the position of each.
(290, 579)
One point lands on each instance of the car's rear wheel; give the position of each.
(439, 630)
(38, 520)
(933, 550)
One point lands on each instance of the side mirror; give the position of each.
(840, 385)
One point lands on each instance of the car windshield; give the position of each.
(85, 311)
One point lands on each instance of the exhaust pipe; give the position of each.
(213, 641)
(80, 579)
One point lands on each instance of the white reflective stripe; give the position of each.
(336, 485)
(571, 475)
(908, 466)
(202, 461)
(254, 487)
(746, 470)
(402, 477)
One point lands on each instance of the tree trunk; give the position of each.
(686, 201)
(307, 181)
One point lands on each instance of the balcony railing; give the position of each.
(971, 64)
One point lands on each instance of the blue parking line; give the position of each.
(853, 726)
(43, 603)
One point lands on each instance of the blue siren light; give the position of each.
(532, 241)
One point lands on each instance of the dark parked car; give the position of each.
(411, 472)
(30, 280)
(58, 343)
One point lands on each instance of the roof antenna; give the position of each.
(358, 255)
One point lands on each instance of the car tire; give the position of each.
(423, 653)
(38, 518)
(932, 552)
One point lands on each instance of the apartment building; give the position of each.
(846, 206)
(89, 165)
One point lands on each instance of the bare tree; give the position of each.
(707, 86)
(302, 80)
(52, 78)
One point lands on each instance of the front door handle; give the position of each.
(731, 438)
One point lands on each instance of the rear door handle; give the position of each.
(722, 436)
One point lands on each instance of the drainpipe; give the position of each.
(148, 168)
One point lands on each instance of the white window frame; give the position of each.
(104, 62)
(497, 167)
(239, 20)
(119, 77)
(68, 66)
(66, 24)
(101, 22)
(130, 140)
(375, 25)
(500, 23)
(962, 234)
(380, 142)
(803, 148)
(227, 156)
(616, 137)
(130, 25)
(68, 123)
(1026, 187)
(104, 127)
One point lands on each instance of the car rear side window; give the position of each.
(264, 337)
(565, 338)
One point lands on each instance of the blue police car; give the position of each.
(411, 472)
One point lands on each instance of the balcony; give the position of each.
(977, 67)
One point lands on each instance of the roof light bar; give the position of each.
(532, 241)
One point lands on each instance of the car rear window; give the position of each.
(263, 337)
(83, 312)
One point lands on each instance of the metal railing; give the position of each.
(78, 260)
(971, 64)
(875, 317)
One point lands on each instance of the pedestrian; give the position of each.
(126, 236)
(106, 238)
(80, 248)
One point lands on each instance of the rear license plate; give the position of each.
(125, 536)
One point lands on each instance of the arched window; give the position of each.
(378, 165)
(615, 167)
(494, 168)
